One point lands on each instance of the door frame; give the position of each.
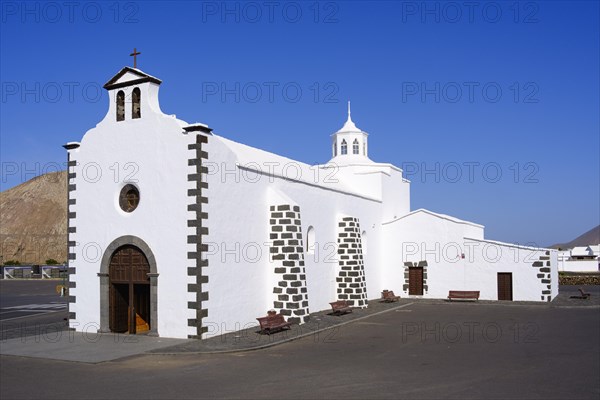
(422, 280)
(135, 278)
(105, 281)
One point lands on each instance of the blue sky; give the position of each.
(492, 108)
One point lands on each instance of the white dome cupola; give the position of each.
(349, 144)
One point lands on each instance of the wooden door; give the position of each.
(141, 304)
(119, 304)
(415, 281)
(129, 302)
(505, 286)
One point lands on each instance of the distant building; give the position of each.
(580, 259)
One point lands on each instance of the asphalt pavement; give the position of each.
(413, 349)
(31, 307)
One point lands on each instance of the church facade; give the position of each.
(179, 232)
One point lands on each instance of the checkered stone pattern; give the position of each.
(409, 264)
(351, 282)
(287, 253)
(543, 265)
(197, 237)
(71, 231)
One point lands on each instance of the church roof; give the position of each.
(267, 163)
(436, 215)
(114, 83)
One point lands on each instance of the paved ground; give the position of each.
(427, 349)
(30, 307)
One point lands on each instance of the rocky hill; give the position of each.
(33, 220)
(590, 237)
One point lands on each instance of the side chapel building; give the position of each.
(186, 234)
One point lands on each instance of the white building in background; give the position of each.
(176, 230)
(580, 259)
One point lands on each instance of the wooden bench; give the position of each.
(273, 323)
(340, 307)
(463, 294)
(388, 296)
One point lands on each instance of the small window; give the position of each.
(310, 240)
(344, 147)
(364, 148)
(120, 106)
(136, 110)
(355, 146)
(129, 198)
(335, 149)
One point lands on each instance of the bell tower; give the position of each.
(133, 94)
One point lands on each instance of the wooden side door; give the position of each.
(505, 291)
(415, 281)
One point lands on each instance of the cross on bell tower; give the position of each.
(135, 54)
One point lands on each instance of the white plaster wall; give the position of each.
(421, 236)
(395, 195)
(484, 259)
(554, 272)
(579, 265)
(441, 242)
(240, 288)
(151, 153)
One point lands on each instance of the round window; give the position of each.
(129, 198)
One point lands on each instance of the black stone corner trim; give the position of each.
(351, 279)
(71, 218)
(199, 230)
(544, 275)
(290, 295)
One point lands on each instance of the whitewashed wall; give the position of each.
(484, 259)
(441, 241)
(240, 288)
(579, 265)
(150, 152)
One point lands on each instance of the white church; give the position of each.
(178, 232)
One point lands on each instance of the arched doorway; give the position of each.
(129, 291)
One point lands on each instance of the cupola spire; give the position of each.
(349, 125)
(349, 112)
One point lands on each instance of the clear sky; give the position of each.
(491, 108)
